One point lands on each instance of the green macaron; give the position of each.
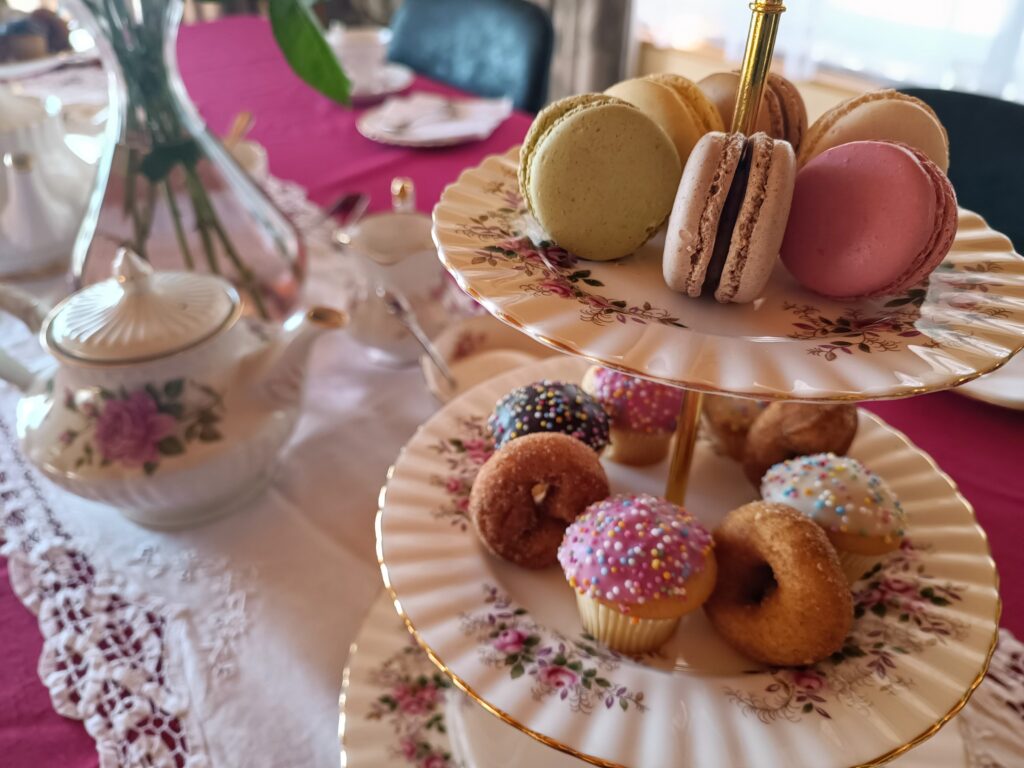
(598, 175)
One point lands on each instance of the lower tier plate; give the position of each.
(511, 639)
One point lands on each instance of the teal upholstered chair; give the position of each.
(986, 165)
(487, 47)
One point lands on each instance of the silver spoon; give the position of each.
(398, 306)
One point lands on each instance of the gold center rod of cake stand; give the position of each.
(682, 453)
(757, 59)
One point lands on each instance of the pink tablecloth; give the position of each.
(234, 65)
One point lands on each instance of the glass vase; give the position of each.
(165, 186)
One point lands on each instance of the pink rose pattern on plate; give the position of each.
(551, 270)
(897, 612)
(143, 427)
(575, 671)
(463, 455)
(504, 232)
(413, 705)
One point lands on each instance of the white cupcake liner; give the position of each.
(622, 632)
(855, 565)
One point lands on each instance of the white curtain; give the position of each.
(592, 44)
(970, 45)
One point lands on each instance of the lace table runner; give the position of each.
(222, 645)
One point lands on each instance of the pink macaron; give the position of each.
(868, 218)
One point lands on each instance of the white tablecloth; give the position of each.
(255, 612)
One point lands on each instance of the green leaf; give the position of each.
(209, 434)
(170, 446)
(517, 671)
(174, 387)
(149, 467)
(301, 40)
(158, 164)
(602, 682)
(808, 707)
(624, 704)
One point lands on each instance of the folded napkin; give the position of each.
(431, 117)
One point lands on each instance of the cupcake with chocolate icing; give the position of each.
(637, 564)
(549, 406)
(643, 414)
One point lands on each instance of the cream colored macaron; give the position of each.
(674, 103)
(885, 115)
(598, 175)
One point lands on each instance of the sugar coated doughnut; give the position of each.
(787, 430)
(529, 491)
(781, 596)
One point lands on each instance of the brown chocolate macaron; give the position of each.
(729, 216)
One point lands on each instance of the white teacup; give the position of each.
(362, 51)
(397, 251)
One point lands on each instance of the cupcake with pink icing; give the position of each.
(637, 564)
(642, 414)
(861, 515)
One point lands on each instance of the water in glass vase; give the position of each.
(166, 187)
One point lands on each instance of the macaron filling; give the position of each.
(729, 218)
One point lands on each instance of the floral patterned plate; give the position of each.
(925, 623)
(397, 710)
(392, 705)
(967, 320)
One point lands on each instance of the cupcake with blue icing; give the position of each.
(859, 512)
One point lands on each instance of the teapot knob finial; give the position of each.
(130, 269)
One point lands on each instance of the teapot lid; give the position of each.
(140, 314)
(19, 111)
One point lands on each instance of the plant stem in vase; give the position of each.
(166, 187)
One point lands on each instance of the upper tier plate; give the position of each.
(790, 344)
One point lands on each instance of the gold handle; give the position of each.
(757, 60)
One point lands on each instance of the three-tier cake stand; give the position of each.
(926, 621)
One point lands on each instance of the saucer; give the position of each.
(477, 349)
(1004, 387)
(430, 120)
(392, 78)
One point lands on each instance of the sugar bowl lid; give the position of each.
(140, 314)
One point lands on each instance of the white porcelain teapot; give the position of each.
(165, 402)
